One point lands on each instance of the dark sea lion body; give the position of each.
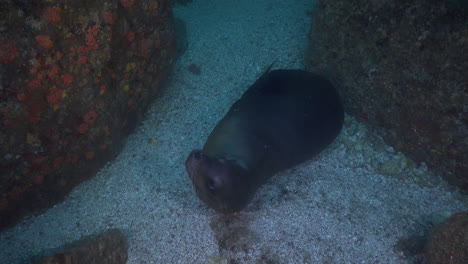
(283, 119)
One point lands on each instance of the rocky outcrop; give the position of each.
(449, 241)
(401, 67)
(76, 78)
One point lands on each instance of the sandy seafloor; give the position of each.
(351, 204)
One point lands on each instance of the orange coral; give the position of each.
(58, 55)
(44, 41)
(72, 158)
(106, 130)
(3, 204)
(8, 51)
(9, 122)
(93, 30)
(153, 6)
(67, 79)
(39, 159)
(130, 36)
(57, 162)
(17, 191)
(83, 128)
(84, 49)
(89, 155)
(22, 97)
(38, 179)
(34, 119)
(102, 89)
(52, 15)
(127, 3)
(109, 17)
(90, 117)
(82, 60)
(53, 72)
(145, 45)
(54, 96)
(90, 38)
(91, 42)
(36, 106)
(34, 84)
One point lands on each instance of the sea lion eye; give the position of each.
(197, 154)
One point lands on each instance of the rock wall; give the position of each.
(449, 241)
(76, 78)
(402, 67)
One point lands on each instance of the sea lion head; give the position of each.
(221, 183)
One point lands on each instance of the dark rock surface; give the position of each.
(402, 67)
(180, 2)
(449, 241)
(75, 79)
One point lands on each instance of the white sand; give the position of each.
(336, 208)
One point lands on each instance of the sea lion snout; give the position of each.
(197, 154)
(218, 182)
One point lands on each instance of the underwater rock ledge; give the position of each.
(401, 67)
(76, 78)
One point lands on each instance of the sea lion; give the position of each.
(283, 119)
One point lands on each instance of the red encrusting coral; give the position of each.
(3, 204)
(145, 45)
(90, 117)
(102, 89)
(67, 79)
(52, 15)
(38, 179)
(109, 17)
(36, 107)
(90, 38)
(44, 41)
(68, 59)
(22, 97)
(82, 60)
(58, 55)
(89, 155)
(57, 162)
(8, 52)
(83, 128)
(54, 96)
(127, 3)
(53, 72)
(34, 84)
(106, 130)
(84, 49)
(72, 158)
(130, 36)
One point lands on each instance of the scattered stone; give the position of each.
(107, 248)
(194, 69)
